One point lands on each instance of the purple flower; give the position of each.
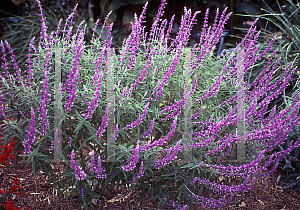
(94, 103)
(4, 64)
(140, 174)
(73, 76)
(30, 62)
(92, 165)
(2, 108)
(150, 130)
(169, 157)
(14, 63)
(100, 174)
(159, 90)
(54, 142)
(70, 141)
(139, 120)
(57, 30)
(30, 134)
(133, 160)
(79, 174)
(104, 122)
(104, 24)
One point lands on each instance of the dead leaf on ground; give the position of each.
(243, 204)
(221, 178)
(261, 203)
(119, 198)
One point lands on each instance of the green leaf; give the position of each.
(92, 193)
(78, 127)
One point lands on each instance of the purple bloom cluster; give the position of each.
(140, 174)
(98, 170)
(14, 63)
(159, 90)
(2, 108)
(157, 19)
(30, 134)
(43, 33)
(130, 45)
(104, 122)
(133, 160)
(177, 207)
(94, 103)
(79, 174)
(92, 165)
(115, 136)
(4, 64)
(100, 174)
(143, 73)
(30, 62)
(163, 140)
(73, 76)
(98, 78)
(70, 141)
(149, 130)
(169, 157)
(104, 24)
(139, 120)
(209, 37)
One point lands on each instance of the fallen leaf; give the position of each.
(119, 198)
(221, 178)
(243, 204)
(261, 203)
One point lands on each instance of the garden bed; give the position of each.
(36, 193)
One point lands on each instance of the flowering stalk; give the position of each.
(140, 174)
(104, 122)
(4, 64)
(133, 160)
(79, 174)
(30, 136)
(100, 174)
(139, 120)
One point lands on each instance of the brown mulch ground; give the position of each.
(266, 194)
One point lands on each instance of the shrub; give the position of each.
(158, 99)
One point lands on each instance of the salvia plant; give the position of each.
(150, 113)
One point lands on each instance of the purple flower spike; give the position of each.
(104, 122)
(133, 160)
(139, 120)
(100, 171)
(149, 131)
(140, 174)
(70, 141)
(4, 64)
(79, 174)
(92, 165)
(30, 136)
